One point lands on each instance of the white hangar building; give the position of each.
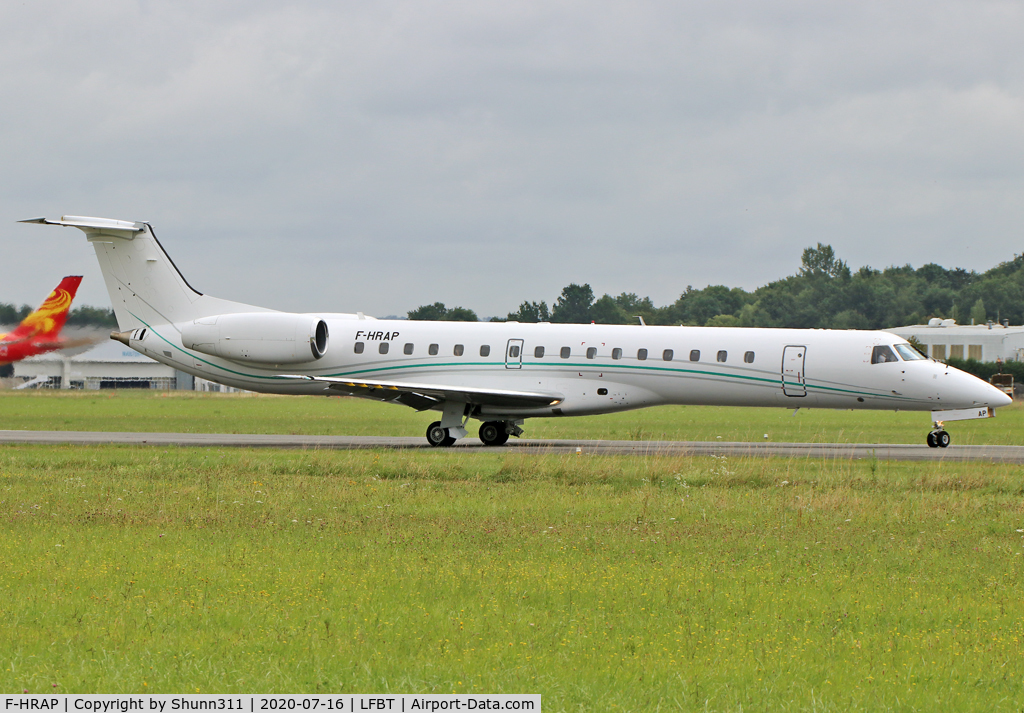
(945, 339)
(106, 365)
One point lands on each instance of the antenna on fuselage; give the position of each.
(641, 318)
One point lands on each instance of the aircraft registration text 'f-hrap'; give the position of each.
(501, 373)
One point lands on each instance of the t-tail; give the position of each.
(145, 286)
(47, 321)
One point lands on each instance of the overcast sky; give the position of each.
(344, 156)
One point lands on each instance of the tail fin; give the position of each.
(145, 286)
(48, 320)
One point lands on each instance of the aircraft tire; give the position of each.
(942, 438)
(438, 437)
(493, 433)
(932, 441)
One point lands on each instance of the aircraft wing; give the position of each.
(424, 396)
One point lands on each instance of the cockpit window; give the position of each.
(909, 353)
(882, 354)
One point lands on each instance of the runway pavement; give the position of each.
(992, 454)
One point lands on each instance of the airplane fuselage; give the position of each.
(16, 350)
(605, 368)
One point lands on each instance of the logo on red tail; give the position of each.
(52, 313)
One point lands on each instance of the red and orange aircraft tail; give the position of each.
(46, 322)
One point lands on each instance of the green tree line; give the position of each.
(823, 293)
(84, 316)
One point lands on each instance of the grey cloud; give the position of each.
(380, 156)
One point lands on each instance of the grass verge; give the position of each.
(639, 583)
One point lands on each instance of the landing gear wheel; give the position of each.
(938, 439)
(493, 433)
(437, 436)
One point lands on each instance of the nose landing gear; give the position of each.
(938, 438)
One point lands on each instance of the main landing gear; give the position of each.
(492, 433)
(496, 433)
(437, 436)
(938, 438)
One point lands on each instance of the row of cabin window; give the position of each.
(564, 353)
(385, 347)
(641, 354)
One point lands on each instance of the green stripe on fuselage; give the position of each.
(589, 365)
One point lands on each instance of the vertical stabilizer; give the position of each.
(48, 320)
(145, 286)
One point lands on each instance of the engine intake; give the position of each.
(259, 337)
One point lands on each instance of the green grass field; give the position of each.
(603, 583)
(191, 412)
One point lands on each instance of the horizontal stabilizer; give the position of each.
(424, 396)
(120, 228)
(79, 221)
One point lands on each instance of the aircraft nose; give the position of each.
(1000, 398)
(970, 391)
(985, 394)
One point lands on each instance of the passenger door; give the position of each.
(514, 354)
(793, 381)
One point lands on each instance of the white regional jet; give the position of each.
(502, 373)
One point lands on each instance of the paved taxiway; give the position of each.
(991, 454)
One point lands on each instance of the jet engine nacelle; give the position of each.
(261, 337)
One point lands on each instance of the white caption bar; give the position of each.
(167, 703)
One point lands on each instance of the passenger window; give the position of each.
(565, 353)
(723, 355)
(695, 355)
(591, 352)
(408, 348)
(538, 352)
(748, 357)
(882, 354)
(459, 350)
(485, 350)
(359, 348)
(667, 355)
(432, 350)
(616, 353)
(602, 392)
(383, 348)
(641, 354)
